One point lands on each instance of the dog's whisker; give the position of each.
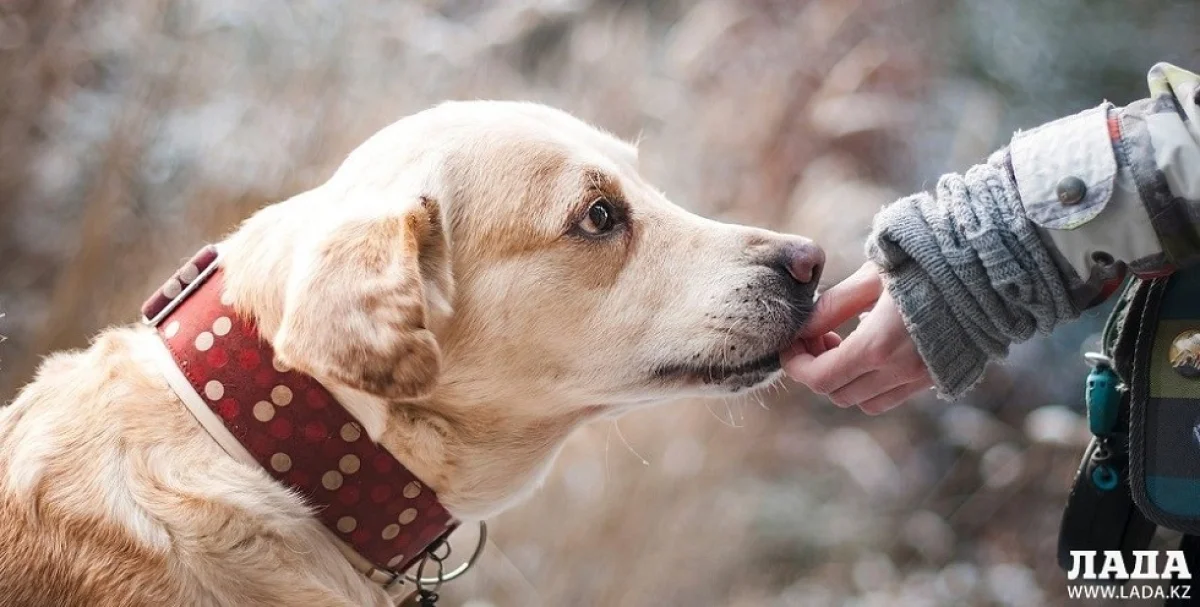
(715, 416)
(725, 344)
(729, 412)
(621, 436)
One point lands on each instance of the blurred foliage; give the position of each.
(132, 132)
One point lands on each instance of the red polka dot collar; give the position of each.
(290, 425)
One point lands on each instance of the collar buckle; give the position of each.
(431, 554)
(180, 285)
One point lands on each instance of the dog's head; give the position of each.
(510, 251)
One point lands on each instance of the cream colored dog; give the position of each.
(473, 283)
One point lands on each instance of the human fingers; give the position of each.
(895, 397)
(844, 301)
(866, 387)
(831, 370)
(822, 343)
(832, 340)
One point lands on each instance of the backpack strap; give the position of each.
(1101, 513)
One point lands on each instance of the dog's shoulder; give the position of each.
(55, 557)
(111, 493)
(56, 456)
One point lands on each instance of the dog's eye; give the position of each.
(601, 218)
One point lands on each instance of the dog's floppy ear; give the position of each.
(358, 302)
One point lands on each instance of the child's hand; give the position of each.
(876, 367)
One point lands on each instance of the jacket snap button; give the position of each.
(1071, 190)
(1184, 354)
(1102, 258)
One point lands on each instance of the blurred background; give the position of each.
(132, 132)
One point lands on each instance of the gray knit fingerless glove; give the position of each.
(969, 273)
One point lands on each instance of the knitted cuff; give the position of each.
(969, 272)
(954, 361)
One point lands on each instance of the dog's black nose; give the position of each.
(804, 260)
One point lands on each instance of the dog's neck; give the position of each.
(479, 463)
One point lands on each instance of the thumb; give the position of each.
(844, 301)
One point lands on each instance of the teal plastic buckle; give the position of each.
(1103, 397)
(1105, 478)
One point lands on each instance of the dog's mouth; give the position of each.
(744, 359)
(740, 375)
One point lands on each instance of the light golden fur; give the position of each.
(439, 285)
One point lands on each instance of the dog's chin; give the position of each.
(749, 383)
(725, 378)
